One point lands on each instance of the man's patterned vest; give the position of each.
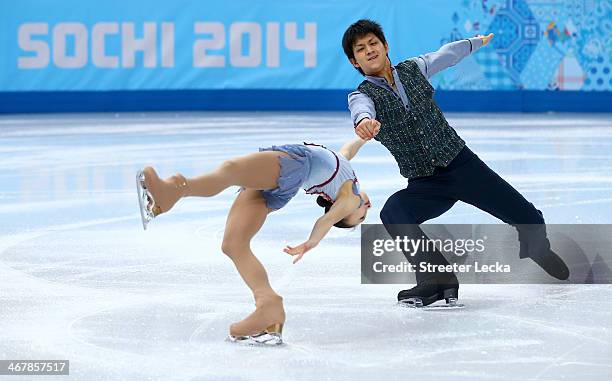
(419, 139)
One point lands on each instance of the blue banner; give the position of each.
(71, 45)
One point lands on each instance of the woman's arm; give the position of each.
(341, 208)
(350, 149)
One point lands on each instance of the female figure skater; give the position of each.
(269, 179)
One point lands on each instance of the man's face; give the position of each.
(370, 54)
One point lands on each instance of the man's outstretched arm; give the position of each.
(449, 55)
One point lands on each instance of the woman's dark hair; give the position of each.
(358, 30)
(323, 202)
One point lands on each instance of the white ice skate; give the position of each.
(272, 336)
(144, 199)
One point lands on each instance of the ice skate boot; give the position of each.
(167, 192)
(536, 246)
(550, 262)
(263, 327)
(430, 291)
(271, 336)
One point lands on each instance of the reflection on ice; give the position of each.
(81, 280)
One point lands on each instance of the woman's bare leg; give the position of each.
(256, 171)
(246, 217)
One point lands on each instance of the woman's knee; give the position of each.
(233, 248)
(229, 166)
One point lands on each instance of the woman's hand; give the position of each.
(298, 251)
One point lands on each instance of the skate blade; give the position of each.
(264, 339)
(417, 303)
(143, 200)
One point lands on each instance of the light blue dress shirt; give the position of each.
(448, 55)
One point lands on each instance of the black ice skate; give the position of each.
(536, 246)
(428, 292)
(550, 262)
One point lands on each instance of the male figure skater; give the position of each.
(439, 167)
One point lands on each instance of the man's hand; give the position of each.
(486, 39)
(367, 128)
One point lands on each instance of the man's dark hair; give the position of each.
(322, 202)
(358, 30)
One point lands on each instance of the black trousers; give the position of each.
(467, 179)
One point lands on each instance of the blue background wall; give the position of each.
(286, 55)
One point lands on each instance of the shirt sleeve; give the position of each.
(361, 106)
(448, 55)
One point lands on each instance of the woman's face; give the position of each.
(359, 215)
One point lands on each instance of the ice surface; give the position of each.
(81, 280)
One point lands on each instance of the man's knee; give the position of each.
(540, 217)
(397, 212)
(526, 215)
(535, 216)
